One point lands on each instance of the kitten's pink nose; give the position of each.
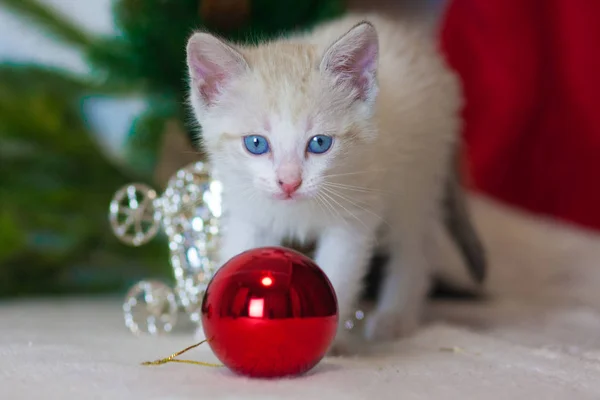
(289, 177)
(290, 186)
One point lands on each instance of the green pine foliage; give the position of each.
(55, 182)
(55, 187)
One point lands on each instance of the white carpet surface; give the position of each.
(537, 336)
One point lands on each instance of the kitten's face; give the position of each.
(283, 160)
(277, 119)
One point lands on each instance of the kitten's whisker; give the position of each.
(357, 205)
(329, 211)
(355, 173)
(352, 188)
(322, 207)
(332, 208)
(333, 190)
(248, 191)
(344, 208)
(346, 185)
(318, 201)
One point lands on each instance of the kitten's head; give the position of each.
(275, 118)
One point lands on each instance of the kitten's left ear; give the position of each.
(212, 64)
(352, 59)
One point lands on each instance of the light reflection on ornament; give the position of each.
(266, 281)
(256, 308)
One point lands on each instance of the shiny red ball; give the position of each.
(270, 312)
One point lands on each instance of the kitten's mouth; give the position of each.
(288, 197)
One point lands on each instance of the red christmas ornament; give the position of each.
(270, 312)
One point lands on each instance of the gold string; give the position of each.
(172, 358)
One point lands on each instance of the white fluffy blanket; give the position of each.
(537, 336)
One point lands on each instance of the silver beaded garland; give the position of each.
(150, 307)
(133, 215)
(189, 211)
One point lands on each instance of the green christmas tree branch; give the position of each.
(55, 187)
(111, 57)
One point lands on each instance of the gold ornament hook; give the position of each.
(172, 358)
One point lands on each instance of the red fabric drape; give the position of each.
(531, 74)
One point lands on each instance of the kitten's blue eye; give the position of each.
(319, 144)
(256, 144)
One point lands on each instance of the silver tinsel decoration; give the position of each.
(188, 211)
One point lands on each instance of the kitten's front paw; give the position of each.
(389, 325)
(343, 345)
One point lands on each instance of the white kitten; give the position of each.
(344, 136)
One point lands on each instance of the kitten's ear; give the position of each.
(212, 64)
(353, 59)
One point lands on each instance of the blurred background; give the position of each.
(92, 97)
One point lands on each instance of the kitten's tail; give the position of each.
(458, 233)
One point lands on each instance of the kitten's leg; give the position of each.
(403, 293)
(407, 275)
(344, 254)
